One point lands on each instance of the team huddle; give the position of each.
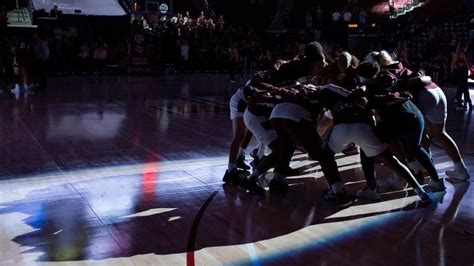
(387, 110)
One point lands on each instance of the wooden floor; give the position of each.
(127, 171)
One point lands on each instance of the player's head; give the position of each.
(314, 53)
(367, 70)
(372, 56)
(384, 59)
(344, 61)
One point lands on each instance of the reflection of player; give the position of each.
(444, 220)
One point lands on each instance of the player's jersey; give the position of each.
(268, 88)
(403, 74)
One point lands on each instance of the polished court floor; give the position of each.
(127, 171)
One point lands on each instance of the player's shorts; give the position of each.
(433, 105)
(359, 133)
(290, 111)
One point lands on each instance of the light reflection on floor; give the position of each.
(342, 224)
(134, 195)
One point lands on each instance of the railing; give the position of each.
(127, 6)
(30, 7)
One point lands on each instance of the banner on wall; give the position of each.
(139, 62)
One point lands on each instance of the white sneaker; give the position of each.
(462, 175)
(392, 182)
(17, 95)
(437, 186)
(425, 197)
(16, 88)
(368, 194)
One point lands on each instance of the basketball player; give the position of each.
(240, 140)
(353, 122)
(272, 84)
(401, 121)
(293, 119)
(431, 101)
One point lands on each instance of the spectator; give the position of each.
(319, 17)
(471, 29)
(3, 17)
(362, 17)
(113, 54)
(84, 58)
(309, 20)
(67, 54)
(41, 55)
(221, 22)
(152, 17)
(471, 43)
(185, 51)
(186, 18)
(266, 59)
(235, 66)
(174, 20)
(347, 16)
(180, 19)
(301, 47)
(435, 67)
(402, 53)
(336, 16)
(54, 13)
(100, 57)
(253, 56)
(164, 19)
(73, 31)
(4, 64)
(433, 34)
(58, 34)
(460, 67)
(200, 19)
(21, 64)
(392, 11)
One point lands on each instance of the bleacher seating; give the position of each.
(419, 46)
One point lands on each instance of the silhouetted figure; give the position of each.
(54, 13)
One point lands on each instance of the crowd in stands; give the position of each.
(183, 43)
(203, 44)
(58, 49)
(430, 44)
(82, 49)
